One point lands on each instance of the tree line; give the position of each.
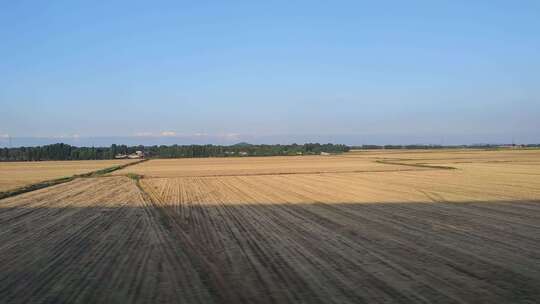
(62, 151)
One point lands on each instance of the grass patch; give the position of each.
(134, 176)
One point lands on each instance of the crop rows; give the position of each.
(403, 236)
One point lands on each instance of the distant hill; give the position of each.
(242, 144)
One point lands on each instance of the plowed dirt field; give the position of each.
(430, 227)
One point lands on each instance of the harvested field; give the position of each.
(404, 234)
(257, 166)
(17, 174)
(359, 161)
(458, 156)
(91, 240)
(437, 186)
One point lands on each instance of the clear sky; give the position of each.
(356, 72)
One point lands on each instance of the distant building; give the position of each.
(512, 146)
(242, 153)
(137, 154)
(325, 153)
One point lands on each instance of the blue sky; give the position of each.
(274, 71)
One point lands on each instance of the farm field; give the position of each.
(363, 227)
(352, 162)
(17, 174)
(456, 158)
(256, 166)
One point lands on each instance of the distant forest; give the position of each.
(62, 151)
(67, 152)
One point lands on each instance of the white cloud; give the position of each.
(63, 136)
(4, 135)
(168, 133)
(232, 135)
(144, 134)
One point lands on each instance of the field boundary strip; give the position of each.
(394, 162)
(57, 181)
(295, 173)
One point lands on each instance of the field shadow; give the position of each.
(482, 252)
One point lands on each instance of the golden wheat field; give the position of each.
(456, 226)
(256, 166)
(17, 174)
